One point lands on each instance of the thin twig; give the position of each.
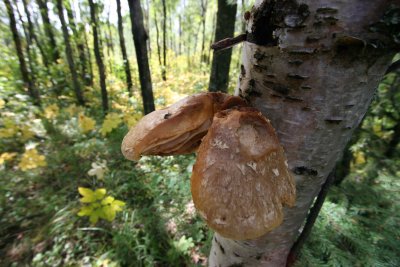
(311, 218)
(395, 66)
(229, 42)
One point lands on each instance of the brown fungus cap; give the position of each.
(240, 180)
(177, 129)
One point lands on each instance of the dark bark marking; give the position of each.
(259, 56)
(297, 76)
(301, 50)
(334, 120)
(306, 87)
(327, 10)
(314, 38)
(302, 170)
(293, 99)
(222, 249)
(272, 15)
(236, 255)
(282, 89)
(236, 265)
(242, 71)
(296, 62)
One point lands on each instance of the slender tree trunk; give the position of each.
(98, 56)
(219, 78)
(123, 49)
(89, 80)
(211, 39)
(180, 35)
(44, 11)
(28, 83)
(312, 69)
(79, 42)
(139, 39)
(203, 4)
(69, 55)
(33, 34)
(164, 69)
(30, 51)
(158, 40)
(108, 39)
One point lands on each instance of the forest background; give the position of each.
(67, 98)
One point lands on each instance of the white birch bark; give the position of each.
(315, 86)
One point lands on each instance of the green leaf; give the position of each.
(94, 218)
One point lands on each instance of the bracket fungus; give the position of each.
(177, 129)
(240, 180)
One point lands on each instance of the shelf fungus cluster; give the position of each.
(240, 180)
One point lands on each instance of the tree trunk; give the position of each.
(139, 39)
(69, 55)
(30, 51)
(33, 34)
(28, 83)
(98, 56)
(123, 49)
(89, 80)
(164, 68)
(158, 39)
(225, 28)
(79, 43)
(312, 69)
(44, 11)
(203, 5)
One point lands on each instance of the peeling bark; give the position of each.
(313, 73)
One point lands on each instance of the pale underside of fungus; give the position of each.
(240, 180)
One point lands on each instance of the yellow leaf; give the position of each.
(2, 103)
(86, 123)
(107, 200)
(6, 157)
(31, 159)
(359, 158)
(88, 195)
(109, 213)
(100, 193)
(111, 122)
(51, 111)
(85, 211)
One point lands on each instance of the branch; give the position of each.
(229, 42)
(395, 66)
(311, 218)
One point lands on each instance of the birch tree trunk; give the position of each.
(311, 68)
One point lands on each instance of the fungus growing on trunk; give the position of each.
(240, 180)
(177, 129)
